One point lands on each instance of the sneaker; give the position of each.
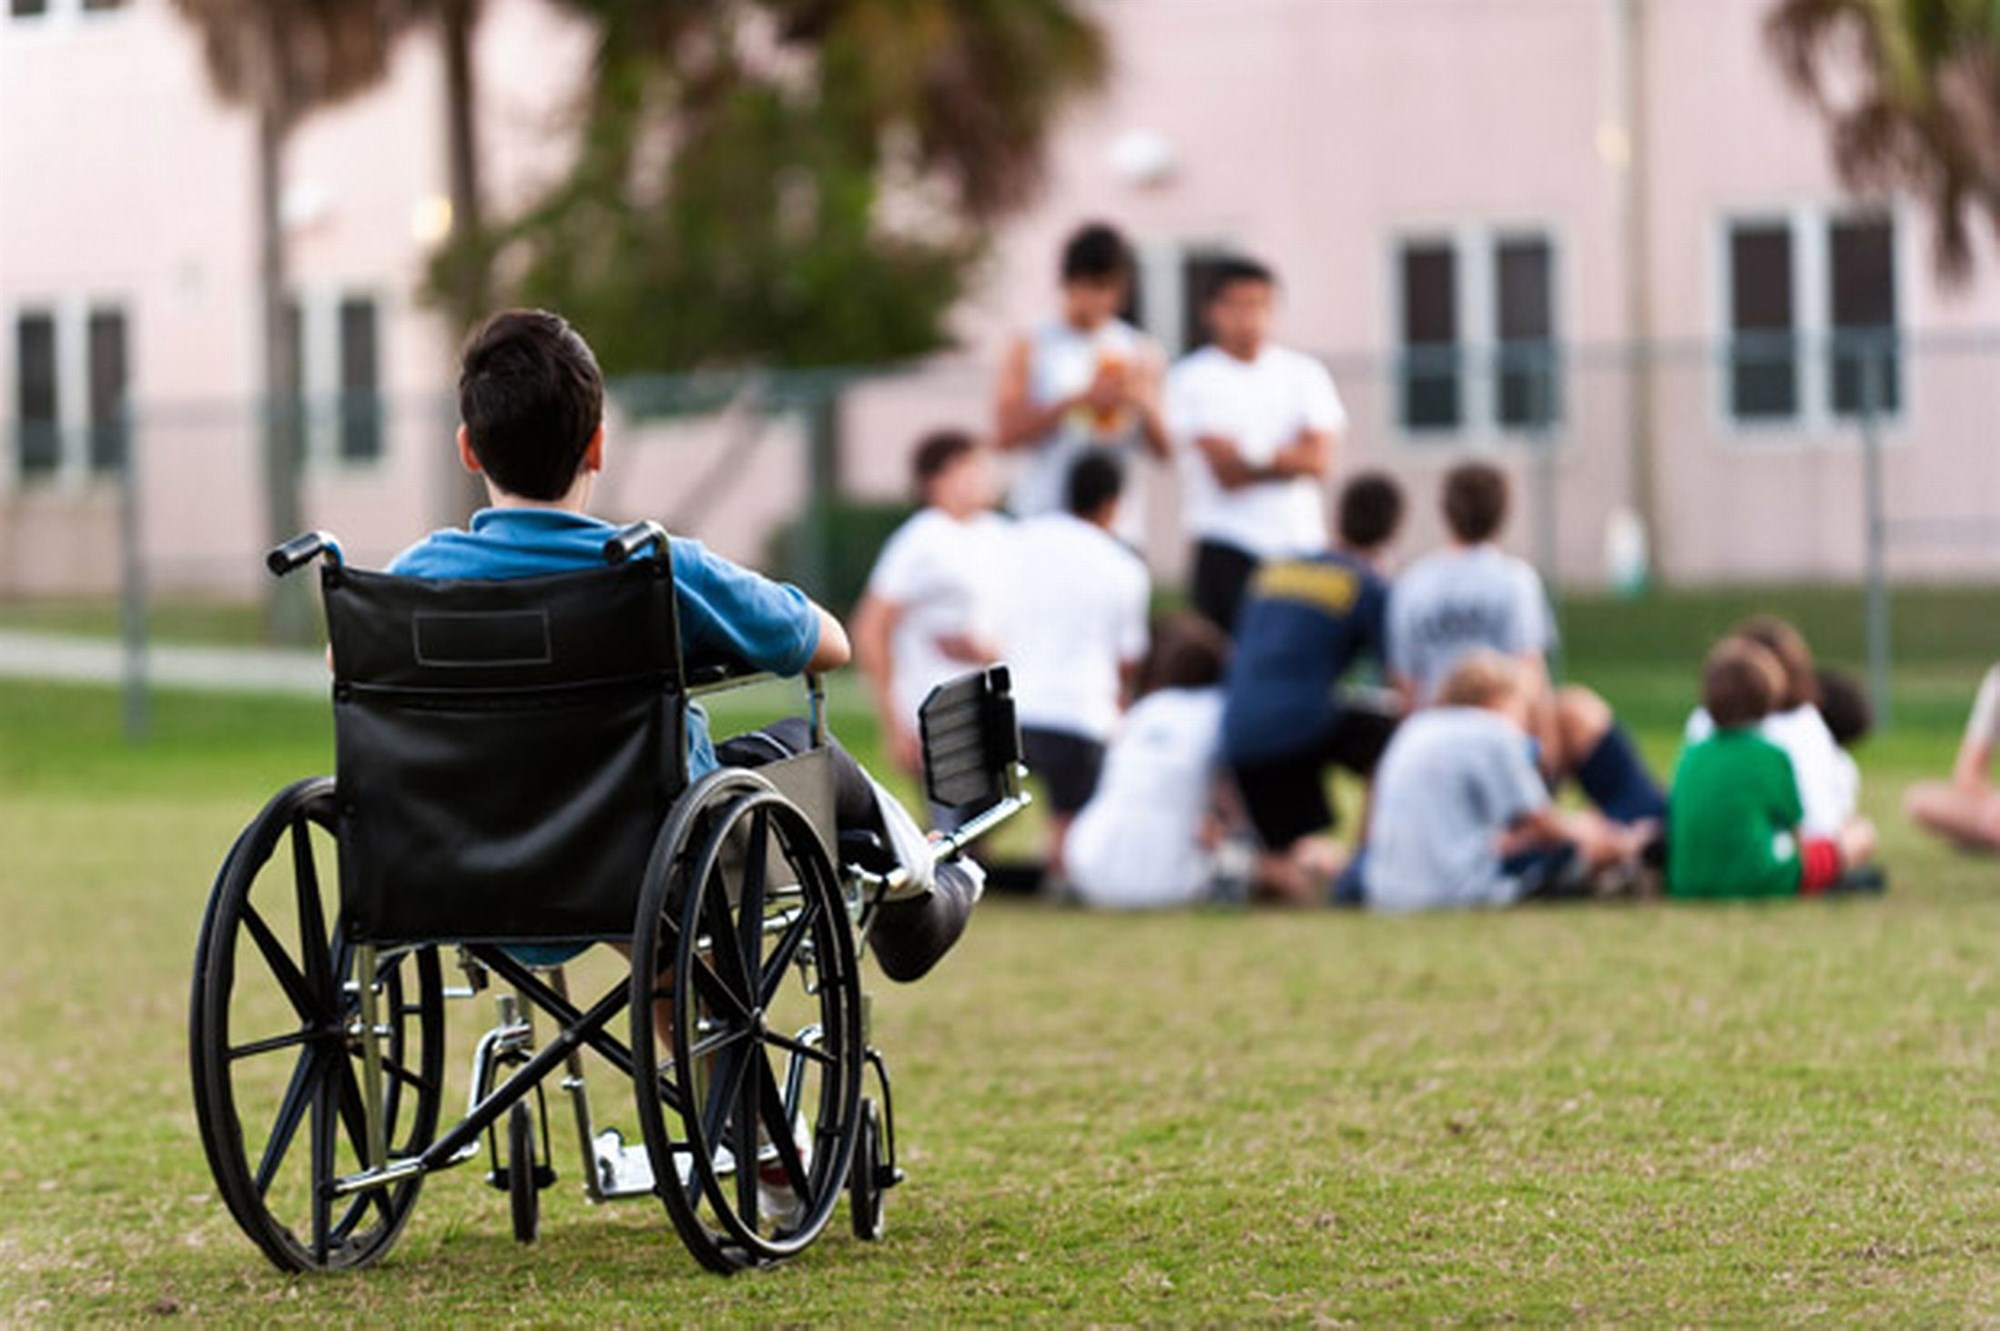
(777, 1203)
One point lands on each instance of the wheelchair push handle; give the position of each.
(302, 550)
(629, 541)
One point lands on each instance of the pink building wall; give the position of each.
(1313, 134)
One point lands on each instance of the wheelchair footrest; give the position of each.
(622, 1170)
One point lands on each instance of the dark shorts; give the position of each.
(1286, 796)
(1222, 576)
(1067, 764)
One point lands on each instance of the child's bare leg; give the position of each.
(1969, 818)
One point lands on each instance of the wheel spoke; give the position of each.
(748, 1166)
(298, 1095)
(305, 1002)
(715, 990)
(722, 1094)
(778, 1126)
(724, 947)
(324, 1123)
(271, 1044)
(719, 1041)
(407, 1077)
(378, 1198)
(312, 911)
(799, 1047)
(781, 956)
(750, 903)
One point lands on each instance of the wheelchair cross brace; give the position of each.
(577, 1029)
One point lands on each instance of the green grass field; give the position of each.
(1642, 1113)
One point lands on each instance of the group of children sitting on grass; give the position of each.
(1217, 772)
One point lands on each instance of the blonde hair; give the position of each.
(1483, 678)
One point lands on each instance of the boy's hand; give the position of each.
(1226, 461)
(970, 648)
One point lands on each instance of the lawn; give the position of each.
(1636, 1113)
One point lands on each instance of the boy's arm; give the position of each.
(874, 623)
(1018, 421)
(833, 650)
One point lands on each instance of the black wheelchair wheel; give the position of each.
(275, 1050)
(746, 1024)
(865, 1194)
(523, 1197)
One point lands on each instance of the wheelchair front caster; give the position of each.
(524, 1197)
(865, 1179)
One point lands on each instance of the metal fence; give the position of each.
(1862, 459)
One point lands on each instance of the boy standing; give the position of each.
(1083, 381)
(1073, 658)
(1462, 818)
(1307, 621)
(1734, 830)
(1257, 425)
(531, 406)
(939, 599)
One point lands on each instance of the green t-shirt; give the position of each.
(1732, 820)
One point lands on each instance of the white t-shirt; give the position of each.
(949, 577)
(1829, 779)
(1261, 406)
(1137, 844)
(1083, 598)
(1062, 362)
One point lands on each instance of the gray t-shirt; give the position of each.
(1453, 780)
(1450, 603)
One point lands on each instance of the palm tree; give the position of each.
(283, 59)
(1911, 93)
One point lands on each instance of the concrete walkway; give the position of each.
(74, 658)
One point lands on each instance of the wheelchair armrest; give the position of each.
(971, 740)
(712, 676)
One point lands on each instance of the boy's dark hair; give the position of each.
(1228, 272)
(1096, 252)
(1740, 683)
(1188, 652)
(1370, 511)
(935, 453)
(531, 398)
(1794, 657)
(1844, 706)
(1095, 480)
(1475, 501)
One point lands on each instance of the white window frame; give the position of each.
(1475, 249)
(72, 323)
(1810, 226)
(319, 376)
(1162, 279)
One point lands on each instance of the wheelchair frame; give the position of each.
(716, 1120)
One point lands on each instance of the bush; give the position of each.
(855, 534)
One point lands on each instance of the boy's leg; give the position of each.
(1606, 763)
(910, 936)
(1222, 574)
(1068, 766)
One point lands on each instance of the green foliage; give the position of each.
(791, 182)
(1910, 90)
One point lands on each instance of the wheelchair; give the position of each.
(512, 785)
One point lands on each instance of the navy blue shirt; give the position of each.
(1306, 622)
(726, 611)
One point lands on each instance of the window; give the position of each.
(39, 423)
(1861, 276)
(108, 427)
(93, 6)
(27, 8)
(336, 377)
(1812, 317)
(360, 383)
(1432, 392)
(1470, 301)
(1198, 271)
(1524, 330)
(71, 373)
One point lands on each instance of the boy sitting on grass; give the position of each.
(531, 407)
(1462, 818)
(1733, 828)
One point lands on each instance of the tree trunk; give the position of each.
(288, 610)
(471, 279)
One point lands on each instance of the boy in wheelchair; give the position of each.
(531, 403)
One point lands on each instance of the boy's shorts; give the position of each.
(1286, 796)
(1819, 865)
(1068, 764)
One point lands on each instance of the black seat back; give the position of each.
(506, 750)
